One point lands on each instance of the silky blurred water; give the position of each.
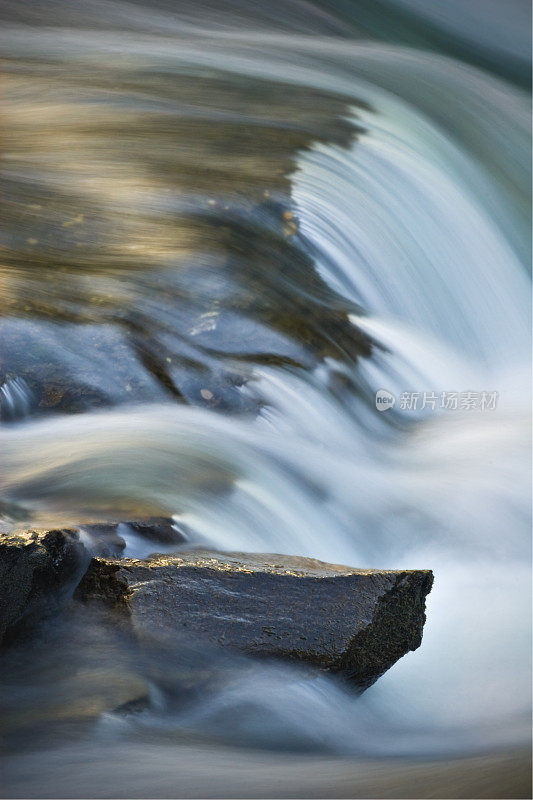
(227, 225)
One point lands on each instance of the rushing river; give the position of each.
(227, 226)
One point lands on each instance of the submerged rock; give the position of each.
(105, 540)
(158, 529)
(357, 622)
(36, 566)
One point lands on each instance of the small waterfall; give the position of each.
(403, 219)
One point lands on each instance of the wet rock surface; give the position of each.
(105, 539)
(158, 529)
(39, 566)
(352, 621)
(35, 567)
(356, 622)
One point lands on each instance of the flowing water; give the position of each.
(227, 225)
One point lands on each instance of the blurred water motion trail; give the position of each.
(227, 225)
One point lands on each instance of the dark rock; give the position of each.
(59, 367)
(158, 529)
(353, 621)
(104, 539)
(36, 566)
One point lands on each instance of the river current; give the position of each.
(267, 270)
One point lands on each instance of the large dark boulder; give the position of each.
(36, 567)
(353, 621)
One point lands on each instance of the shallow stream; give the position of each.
(227, 227)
